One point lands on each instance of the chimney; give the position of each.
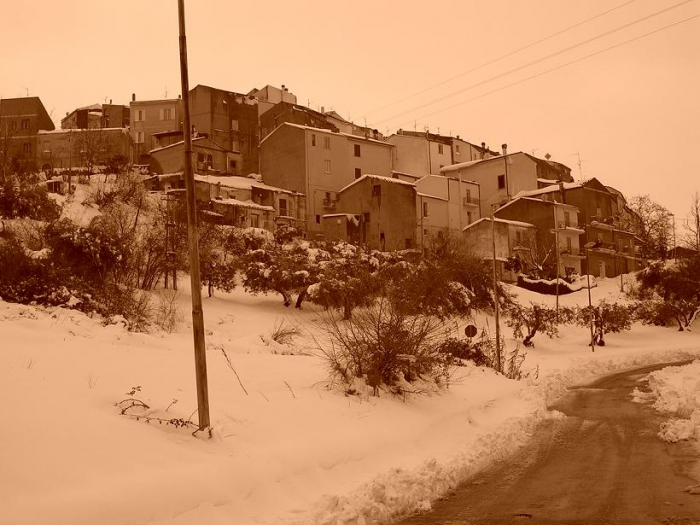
(323, 110)
(562, 192)
(110, 101)
(483, 150)
(505, 149)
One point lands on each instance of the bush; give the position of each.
(27, 198)
(607, 318)
(462, 349)
(526, 321)
(544, 287)
(383, 347)
(166, 314)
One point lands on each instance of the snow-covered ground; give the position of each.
(287, 449)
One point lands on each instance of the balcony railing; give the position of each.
(329, 204)
(470, 201)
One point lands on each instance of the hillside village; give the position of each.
(262, 160)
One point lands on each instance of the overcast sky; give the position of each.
(575, 79)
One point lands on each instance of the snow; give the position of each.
(293, 450)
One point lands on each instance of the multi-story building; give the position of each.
(511, 238)
(230, 120)
(207, 157)
(501, 178)
(292, 114)
(366, 212)
(418, 152)
(148, 117)
(21, 119)
(319, 163)
(81, 148)
(270, 95)
(558, 231)
(611, 251)
(97, 116)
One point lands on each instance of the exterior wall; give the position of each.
(156, 116)
(463, 151)
(378, 211)
(283, 159)
(230, 120)
(433, 222)
(20, 121)
(461, 199)
(62, 148)
(410, 154)
(292, 114)
(204, 158)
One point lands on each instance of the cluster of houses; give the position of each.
(262, 160)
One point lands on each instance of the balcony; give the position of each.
(575, 253)
(329, 204)
(469, 201)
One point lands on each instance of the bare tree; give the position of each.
(95, 147)
(691, 237)
(652, 223)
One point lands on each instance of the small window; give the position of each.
(313, 139)
(140, 115)
(518, 238)
(234, 125)
(283, 206)
(232, 164)
(599, 213)
(326, 143)
(501, 182)
(357, 150)
(166, 114)
(318, 219)
(139, 137)
(366, 216)
(358, 173)
(469, 217)
(25, 123)
(200, 157)
(567, 219)
(326, 166)
(457, 148)
(408, 244)
(27, 147)
(13, 125)
(425, 209)
(568, 244)
(328, 195)
(377, 190)
(440, 149)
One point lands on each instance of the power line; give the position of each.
(536, 61)
(511, 53)
(557, 67)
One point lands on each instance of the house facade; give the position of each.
(78, 148)
(319, 163)
(423, 152)
(367, 211)
(207, 156)
(21, 119)
(502, 178)
(148, 117)
(558, 231)
(97, 116)
(511, 239)
(230, 120)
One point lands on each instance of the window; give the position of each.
(567, 219)
(357, 150)
(501, 182)
(425, 209)
(358, 173)
(139, 137)
(232, 164)
(13, 125)
(318, 219)
(366, 216)
(457, 149)
(408, 244)
(326, 166)
(255, 221)
(518, 238)
(234, 125)
(140, 115)
(313, 139)
(469, 217)
(283, 207)
(328, 196)
(27, 147)
(599, 213)
(568, 244)
(440, 149)
(377, 190)
(326, 143)
(25, 123)
(166, 114)
(200, 157)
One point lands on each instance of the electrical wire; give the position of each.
(536, 61)
(493, 61)
(555, 68)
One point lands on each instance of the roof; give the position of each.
(538, 201)
(26, 106)
(380, 178)
(194, 139)
(501, 221)
(243, 204)
(329, 132)
(242, 183)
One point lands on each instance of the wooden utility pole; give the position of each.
(495, 294)
(200, 357)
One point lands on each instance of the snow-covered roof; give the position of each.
(460, 165)
(77, 130)
(427, 195)
(551, 189)
(329, 132)
(501, 221)
(539, 201)
(244, 204)
(381, 178)
(179, 143)
(241, 183)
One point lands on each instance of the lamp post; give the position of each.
(588, 246)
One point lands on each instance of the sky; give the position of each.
(609, 88)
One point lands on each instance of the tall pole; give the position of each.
(495, 293)
(590, 306)
(200, 357)
(556, 247)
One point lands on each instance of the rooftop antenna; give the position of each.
(533, 150)
(166, 91)
(415, 125)
(580, 169)
(27, 91)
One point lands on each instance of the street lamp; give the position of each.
(587, 246)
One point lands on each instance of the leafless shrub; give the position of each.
(284, 334)
(167, 314)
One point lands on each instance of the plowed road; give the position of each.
(603, 463)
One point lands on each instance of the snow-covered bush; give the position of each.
(526, 321)
(383, 346)
(607, 318)
(27, 197)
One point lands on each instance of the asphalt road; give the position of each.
(603, 463)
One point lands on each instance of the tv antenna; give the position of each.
(580, 162)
